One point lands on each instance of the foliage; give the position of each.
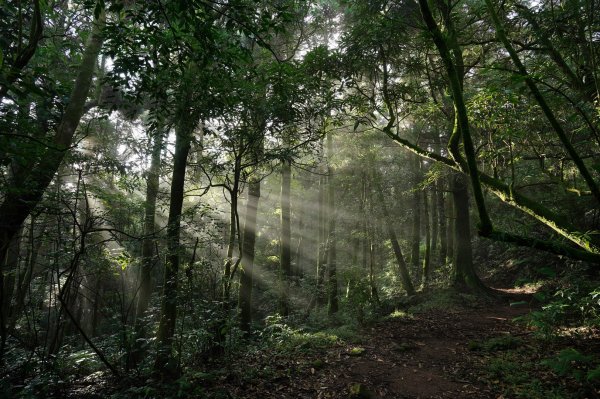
(574, 303)
(517, 381)
(569, 362)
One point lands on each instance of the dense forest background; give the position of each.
(195, 191)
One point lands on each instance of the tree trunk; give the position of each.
(428, 239)
(451, 56)
(29, 187)
(233, 225)
(368, 237)
(451, 226)
(435, 224)
(323, 242)
(285, 257)
(168, 313)
(441, 211)
(11, 266)
(416, 228)
(300, 257)
(465, 277)
(402, 268)
(365, 233)
(332, 285)
(27, 274)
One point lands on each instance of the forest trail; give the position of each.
(426, 355)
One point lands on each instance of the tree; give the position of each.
(402, 267)
(332, 282)
(187, 122)
(34, 174)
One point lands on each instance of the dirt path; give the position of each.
(422, 356)
(426, 356)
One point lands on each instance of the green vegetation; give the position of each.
(232, 198)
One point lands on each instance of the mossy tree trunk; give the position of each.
(560, 132)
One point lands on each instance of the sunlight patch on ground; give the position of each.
(529, 288)
(399, 314)
(579, 331)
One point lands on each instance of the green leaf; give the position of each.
(98, 9)
(594, 375)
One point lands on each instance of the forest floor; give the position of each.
(462, 349)
(425, 355)
(472, 351)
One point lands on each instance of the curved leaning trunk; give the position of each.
(461, 119)
(26, 190)
(590, 251)
(562, 135)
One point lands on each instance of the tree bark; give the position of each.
(233, 226)
(164, 363)
(465, 277)
(435, 224)
(27, 275)
(11, 266)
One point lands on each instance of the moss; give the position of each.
(356, 351)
